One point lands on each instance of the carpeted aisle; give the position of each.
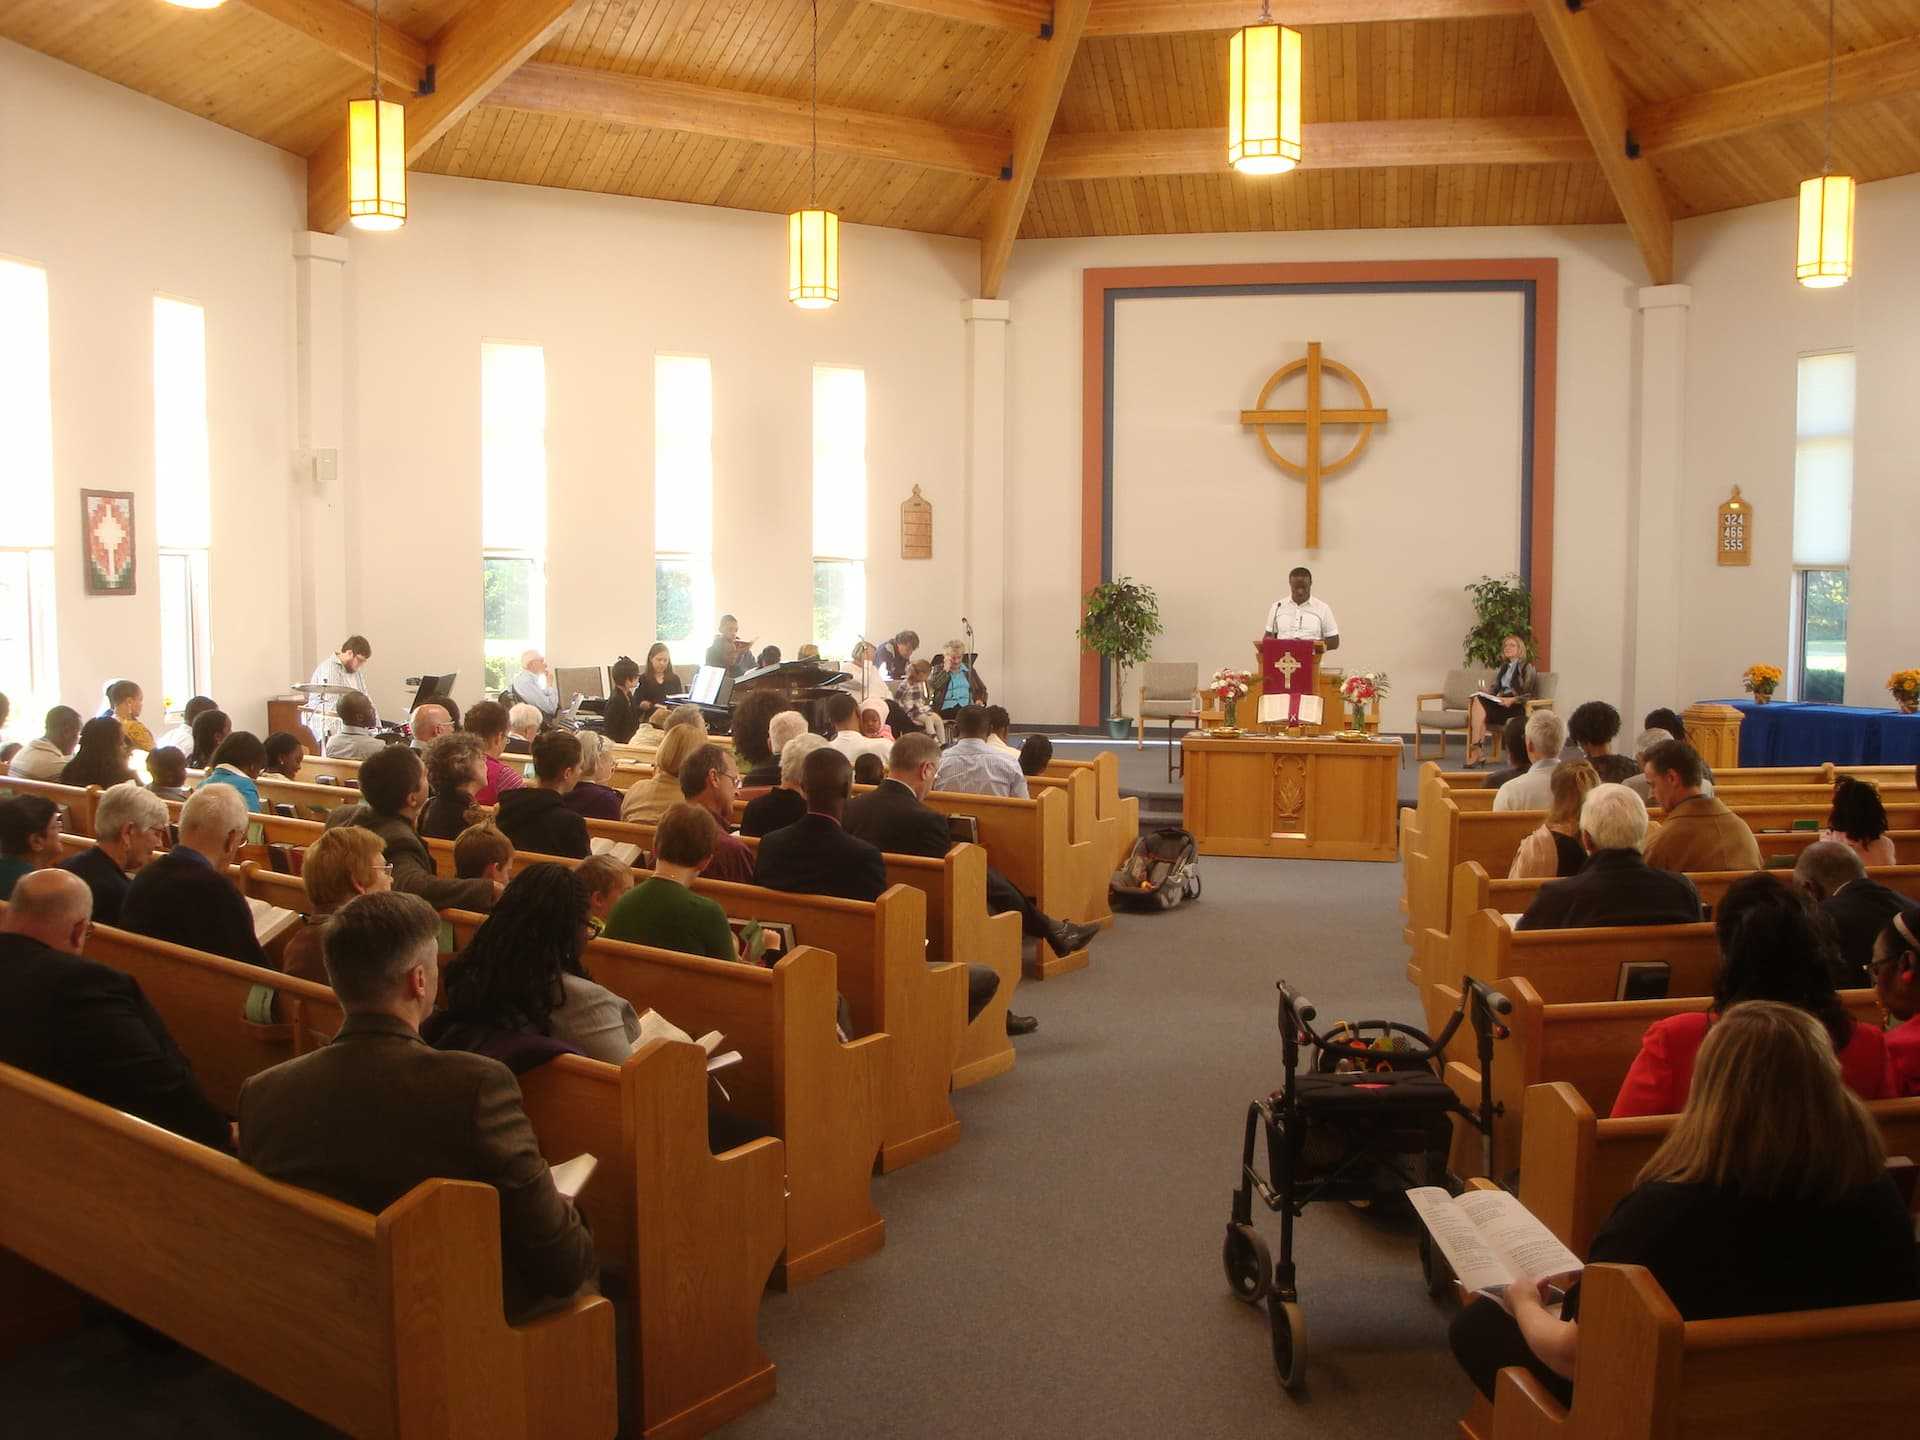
(1058, 1272)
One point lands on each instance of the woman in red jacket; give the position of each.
(1773, 946)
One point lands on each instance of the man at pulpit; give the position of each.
(1301, 617)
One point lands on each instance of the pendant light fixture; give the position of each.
(1263, 97)
(1825, 253)
(376, 154)
(813, 234)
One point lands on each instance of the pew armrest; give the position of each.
(1523, 1410)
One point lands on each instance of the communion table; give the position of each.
(1309, 799)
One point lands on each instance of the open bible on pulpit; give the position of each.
(1287, 693)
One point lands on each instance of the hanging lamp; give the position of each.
(376, 154)
(1263, 97)
(1825, 254)
(813, 234)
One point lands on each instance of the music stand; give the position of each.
(433, 688)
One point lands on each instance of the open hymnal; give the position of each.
(570, 1176)
(655, 1026)
(761, 942)
(1490, 1239)
(623, 851)
(1283, 708)
(270, 922)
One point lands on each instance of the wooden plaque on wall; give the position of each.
(916, 527)
(1733, 543)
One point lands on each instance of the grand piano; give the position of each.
(798, 682)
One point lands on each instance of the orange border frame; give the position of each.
(1545, 275)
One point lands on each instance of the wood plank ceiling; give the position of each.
(1422, 112)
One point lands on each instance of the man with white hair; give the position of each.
(129, 825)
(85, 1026)
(787, 803)
(534, 685)
(1616, 886)
(523, 723)
(185, 897)
(1546, 736)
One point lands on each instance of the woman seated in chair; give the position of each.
(1515, 683)
(1770, 1194)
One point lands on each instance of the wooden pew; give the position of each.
(1474, 889)
(79, 803)
(318, 770)
(1027, 841)
(1646, 1373)
(1094, 862)
(698, 1233)
(822, 1098)
(1576, 1166)
(1105, 767)
(385, 1325)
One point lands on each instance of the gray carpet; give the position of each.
(1057, 1272)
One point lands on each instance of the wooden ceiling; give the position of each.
(960, 117)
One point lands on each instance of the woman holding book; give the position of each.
(1514, 683)
(1770, 1194)
(1773, 946)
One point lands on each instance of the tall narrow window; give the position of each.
(839, 508)
(183, 503)
(683, 503)
(513, 504)
(1822, 525)
(29, 657)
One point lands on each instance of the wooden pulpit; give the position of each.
(1325, 682)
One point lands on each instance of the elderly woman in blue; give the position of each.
(955, 684)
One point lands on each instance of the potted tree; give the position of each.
(1500, 608)
(1121, 621)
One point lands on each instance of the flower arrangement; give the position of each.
(1904, 686)
(1361, 689)
(1229, 687)
(1762, 680)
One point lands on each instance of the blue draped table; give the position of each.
(1787, 733)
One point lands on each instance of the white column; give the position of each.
(983, 583)
(1658, 530)
(318, 505)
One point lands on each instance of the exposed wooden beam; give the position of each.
(1588, 75)
(1873, 74)
(1329, 145)
(1165, 17)
(1026, 16)
(347, 31)
(1040, 87)
(736, 115)
(480, 47)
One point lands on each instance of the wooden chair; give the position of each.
(385, 1325)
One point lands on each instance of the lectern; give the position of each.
(1287, 692)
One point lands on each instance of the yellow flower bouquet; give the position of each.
(1762, 680)
(1904, 686)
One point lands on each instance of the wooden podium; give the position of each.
(1333, 709)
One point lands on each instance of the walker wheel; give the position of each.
(1289, 1341)
(1434, 1267)
(1249, 1266)
(1193, 885)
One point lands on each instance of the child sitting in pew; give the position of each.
(1772, 947)
(483, 852)
(1770, 1195)
(606, 880)
(167, 770)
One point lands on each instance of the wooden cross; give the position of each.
(1313, 417)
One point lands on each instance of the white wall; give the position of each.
(603, 283)
(1598, 272)
(1749, 324)
(121, 197)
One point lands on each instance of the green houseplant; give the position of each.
(1121, 621)
(1500, 608)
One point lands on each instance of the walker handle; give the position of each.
(1301, 1006)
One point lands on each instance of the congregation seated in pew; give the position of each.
(167, 773)
(1616, 886)
(593, 796)
(868, 769)
(1896, 979)
(429, 722)
(101, 758)
(662, 911)
(815, 855)
(607, 880)
(523, 723)
(393, 788)
(343, 862)
(647, 800)
(1592, 728)
(1513, 740)
(184, 896)
(369, 1116)
(787, 801)
(1035, 755)
(210, 732)
(536, 817)
(284, 754)
(971, 766)
(486, 721)
(843, 720)
(129, 825)
(29, 838)
(1533, 790)
(1697, 830)
(1773, 947)
(1858, 820)
(710, 780)
(44, 758)
(356, 738)
(754, 748)
(1855, 905)
(180, 737)
(1770, 1194)
(87, 1026)
(456, 774)
(1554, 850)
(237, 764)
(483, 852)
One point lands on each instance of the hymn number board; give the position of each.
(1734, 545)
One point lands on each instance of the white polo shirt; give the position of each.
(1311, 621)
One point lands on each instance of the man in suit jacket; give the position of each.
(185, 897)
(815, 855)
(787, 801)
(377, 1111)
(85, 1025)
(129, 825)
(1698, 832)
(1616, 886)
(1857, 907)
(393, 787)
